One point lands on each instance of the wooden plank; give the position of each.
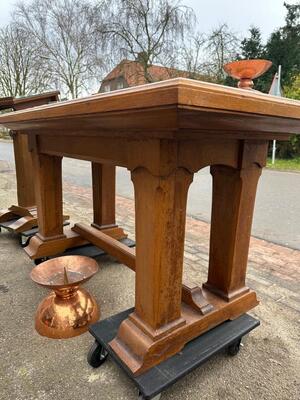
(116, 249)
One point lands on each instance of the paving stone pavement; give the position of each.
(32, 367)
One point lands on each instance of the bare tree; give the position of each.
(147, 31)
(65, 31)
(222, 45)
(22, 72)
(191, 56)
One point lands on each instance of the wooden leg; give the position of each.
(24, 171)
(161, 324)
(104, 199)
(25, 182)
(51, 238)
(23, 216)
(159, 260)
(49, 195)
(233, 203)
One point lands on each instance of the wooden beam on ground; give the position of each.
(116, 249)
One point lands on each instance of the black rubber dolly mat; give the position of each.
(151, 383)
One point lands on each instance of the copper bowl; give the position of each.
(246, 70)
(68, 310)
(51, 273)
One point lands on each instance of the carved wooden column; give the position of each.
(160, 247)
(104, 199)
(52, 238)
(159, 261)
(234, 191)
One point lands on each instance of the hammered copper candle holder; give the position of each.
(68, 310)
(246, 71)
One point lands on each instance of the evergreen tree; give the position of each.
(252, 47)
(283, 48)
(292, 148)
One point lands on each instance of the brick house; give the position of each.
(130, 73)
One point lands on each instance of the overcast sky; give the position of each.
(239, 14)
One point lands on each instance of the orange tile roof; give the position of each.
(133, 73)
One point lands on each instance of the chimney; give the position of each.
(142, 57)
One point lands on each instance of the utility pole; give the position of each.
(275, 90)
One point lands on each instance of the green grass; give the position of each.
(285, 165)
(4, 134)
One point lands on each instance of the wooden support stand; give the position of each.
(23, 215)
(52, 238)
(159, 313)
(163, 134)
(104, 200)
(106, 241)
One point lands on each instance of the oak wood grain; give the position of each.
(110, 245)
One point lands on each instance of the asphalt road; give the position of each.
(277, 209)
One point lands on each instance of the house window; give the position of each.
(106, 88)
(120, 85)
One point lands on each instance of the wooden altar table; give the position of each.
(163, 133)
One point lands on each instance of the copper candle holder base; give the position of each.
(246, 70)
(68, 310)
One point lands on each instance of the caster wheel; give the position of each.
(24, 242)
(38, 261)
(234, 348)
(96, 355)
(142, 397)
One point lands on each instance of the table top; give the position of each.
(51, 96)
(169, 105)
(35, 100)
(6, 102)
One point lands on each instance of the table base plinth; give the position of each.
(23, 224)
(6, 215)
(228, 295)
(113, 231)
(39, 248)
(19, 219)
(140, 351)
